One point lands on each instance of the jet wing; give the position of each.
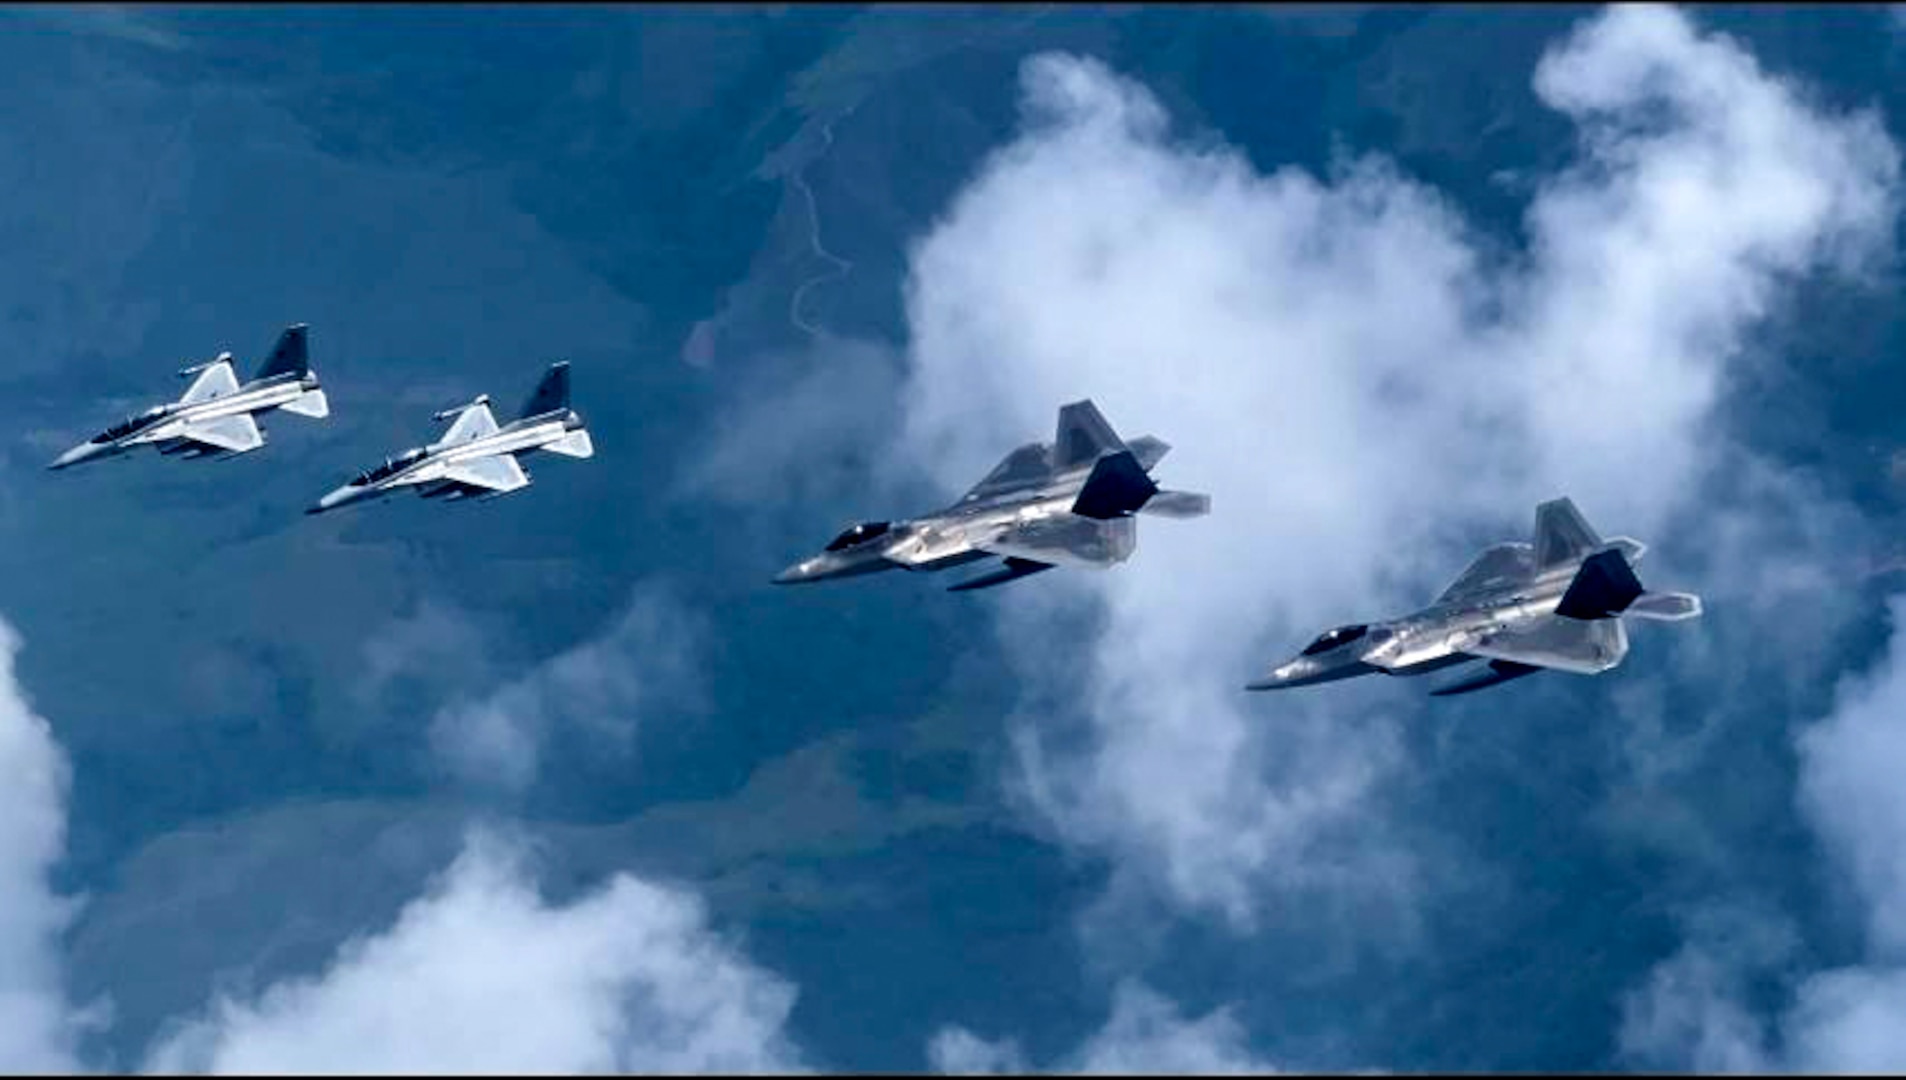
(1023, 467)
(471, 424)
(234, 434)
(1498, 567)
(1585, 648)
(215, 381)
(1067, 541)
(498, 474)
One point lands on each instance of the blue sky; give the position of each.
(559, 783)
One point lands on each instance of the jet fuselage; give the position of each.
(944, 538)
(163, 424)
(1435, 637)
(426, 465)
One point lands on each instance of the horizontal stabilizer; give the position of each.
(311, 403)
(1177, 504)
(1602, 589)
(576, 444)
(1631, 548)
(1495, 674)
(1013, 569)
(1149, 450)
(1665, 606)
(1116, 487)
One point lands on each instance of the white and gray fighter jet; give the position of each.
(476, 459)
(216, 417)
(1068, 503)
(1521, 608)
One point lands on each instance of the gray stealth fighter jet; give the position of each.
(215, 415)
(476, 458)
(1069, 503)
(1555, 604)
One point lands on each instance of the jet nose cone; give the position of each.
(331, 501)
(72, 457)
(794, 575)
(1278, 677)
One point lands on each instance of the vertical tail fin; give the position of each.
(1604, 587)
(1561, 533)
(1083, 435)
(1117, 486)
(552, 394)
(289, 357)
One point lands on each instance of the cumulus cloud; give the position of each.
(38, 1031)
(1692, 1013)
(479, 974)
(1856, 1019)
(1366, 388)
(1145, 1035)
(648, 660)
(482, 975)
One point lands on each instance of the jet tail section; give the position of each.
(311, 403)
(1665, 606)
(1117, 486)
(551, 394)
(1562, 533)
(1083, 435)
(291, 356)
(1177, 504)
(576, 444)
(1603, 588)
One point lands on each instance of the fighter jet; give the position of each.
(476, 459)
(1068, 503)
(1521, 608)
(216, 416)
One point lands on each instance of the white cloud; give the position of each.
(1145, 1035)
(479, 974)
(649, 660)
(1689, 1014)
(1850, 1019)
(1363, 392)
(482, 976)
(38, 1031)
(956, 1051)
(1855, 1019)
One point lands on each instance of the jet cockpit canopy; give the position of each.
(129, 425)
(390, 467)
(858, 534)
(1330, 639)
